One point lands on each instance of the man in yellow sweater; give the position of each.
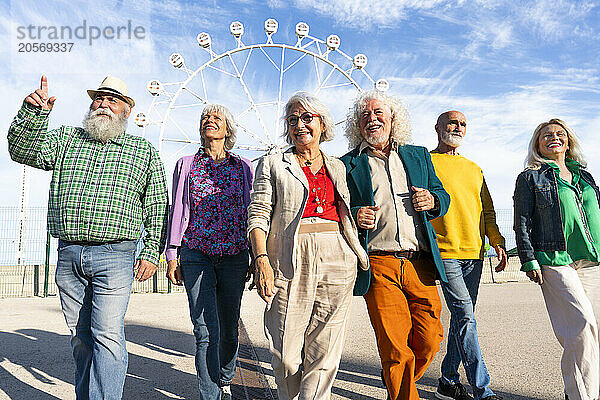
(460, 237)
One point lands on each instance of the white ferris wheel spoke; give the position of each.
(222, 71)
(325, 80)
(269, 58)
(190, 91)
(246, 62)
(203, 84)
(281, 72)
(250, 99)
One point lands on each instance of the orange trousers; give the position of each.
(404, 308)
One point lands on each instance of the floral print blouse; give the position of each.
(218, 217)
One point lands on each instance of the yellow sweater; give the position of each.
(460, 233)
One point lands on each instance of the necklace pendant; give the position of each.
(319, 209)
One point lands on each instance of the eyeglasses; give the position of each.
(306, 118)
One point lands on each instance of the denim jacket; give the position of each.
(538, 222)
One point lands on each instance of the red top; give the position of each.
(320, 185)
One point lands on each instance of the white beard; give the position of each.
(376, 139)
(101, 128)
(451, 139)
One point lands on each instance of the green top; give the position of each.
(99, 192)
(580, 215)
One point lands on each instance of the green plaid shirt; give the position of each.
(98, 192)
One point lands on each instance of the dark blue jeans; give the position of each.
(214, 287)
(94, 283)
(463, 343)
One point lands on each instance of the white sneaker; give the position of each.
(226, 392)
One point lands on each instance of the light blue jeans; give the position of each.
(214, 287)
(94, 282)
(463, 343)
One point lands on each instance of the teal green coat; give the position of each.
(420, 173)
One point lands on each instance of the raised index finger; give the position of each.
(44, 84)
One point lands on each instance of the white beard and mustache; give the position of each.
(451, 139)
(375, 139)
(103, 129)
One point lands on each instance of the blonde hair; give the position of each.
(534, 159)
(313, 104)
(401, 126)
(229, 123)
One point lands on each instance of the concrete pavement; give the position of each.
(519, 347)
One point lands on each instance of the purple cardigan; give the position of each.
(179, 216)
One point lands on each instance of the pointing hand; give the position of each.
(39, 98)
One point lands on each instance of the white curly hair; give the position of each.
(401, 125)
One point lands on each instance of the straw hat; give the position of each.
(113, 86)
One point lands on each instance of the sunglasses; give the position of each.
(306, 118)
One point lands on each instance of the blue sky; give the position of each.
(507, 65)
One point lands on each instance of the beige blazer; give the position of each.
(278, 201)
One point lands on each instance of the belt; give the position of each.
(407, 254)
(85, 243)
(319, 227)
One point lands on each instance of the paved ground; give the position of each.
(35, 363)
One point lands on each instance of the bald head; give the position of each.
(449, 115)
(451, 128)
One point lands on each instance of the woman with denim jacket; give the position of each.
(557, 227)
(207, 230)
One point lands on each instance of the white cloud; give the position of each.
(368, 14)
(555, 19)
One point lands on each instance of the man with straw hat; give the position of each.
(105, 185)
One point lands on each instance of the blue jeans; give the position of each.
(463, 343)
(214, 287)
(94, 282)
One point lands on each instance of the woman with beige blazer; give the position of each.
(306, 252)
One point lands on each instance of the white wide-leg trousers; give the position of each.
(572, 296)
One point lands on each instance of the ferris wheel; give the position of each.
(254, 81)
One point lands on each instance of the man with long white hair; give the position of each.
(461, 238)
(105, 185)
(394, 193)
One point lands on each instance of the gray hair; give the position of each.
(229, 123)
(534, 159)
(312, 104)
(401, 126)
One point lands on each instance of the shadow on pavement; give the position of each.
(38, 352)
(148, 378)
(47, 357)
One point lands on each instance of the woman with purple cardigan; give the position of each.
(207, 230)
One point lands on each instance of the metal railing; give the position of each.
(37, 280)
(35, 275)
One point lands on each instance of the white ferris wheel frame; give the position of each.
(268, 142)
